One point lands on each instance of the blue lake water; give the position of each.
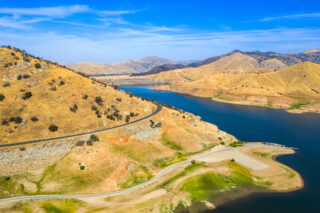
(265, 125)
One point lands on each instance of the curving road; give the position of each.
(159, 108)
(121, 192)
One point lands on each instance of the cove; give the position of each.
(252, 124)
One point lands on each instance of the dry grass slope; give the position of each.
(37, 94)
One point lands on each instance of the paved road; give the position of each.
(159, 108)
(156, 178)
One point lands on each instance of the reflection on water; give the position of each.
(261, 124)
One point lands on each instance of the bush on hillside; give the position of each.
(74, 108)
(6, 84)
(34, 119)
(2, 97)
(26, 95)
(37, 65)
(98, 100)
(85, 97)
(5, 122)
(53, 128)
(18, 120)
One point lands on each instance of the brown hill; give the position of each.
(293, 87)
(125, 67)
(37, 94)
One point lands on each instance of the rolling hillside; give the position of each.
(239, 79)
(36, 95)
(120, 68)
(268, 60)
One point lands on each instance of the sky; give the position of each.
(110, 31)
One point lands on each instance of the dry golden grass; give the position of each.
(54, 90)
(235, 79)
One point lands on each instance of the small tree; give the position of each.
(26, 95)
(98, 100)
(94, 138)
(127, 118)
(74, 108)
(34, 119)
(18, 120)
(2, 97)
(37, 65)
(53, 128)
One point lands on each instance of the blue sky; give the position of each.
(110, 31)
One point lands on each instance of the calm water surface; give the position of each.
(267, 125)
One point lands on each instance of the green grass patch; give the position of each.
(64, 206)
(200, 187)
(167, 161)
(299, 104)
(236, 144)
(170, 143)
(139, 175)
(290, 173)
(262, 154)
(190, 168)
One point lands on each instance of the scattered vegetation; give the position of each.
(236, 144)
(26, 95)
(53, 128)
(137, 176)
(153, 124)
(74, 108)
(37, 65)
(190, 168)
(98, 100)
(167, 161)
(299, 104)
(2, 97)
(34, 119)
(18, 120)
(166, 141)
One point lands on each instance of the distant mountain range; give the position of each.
(288, 81)
(269, 60)
(126, 67)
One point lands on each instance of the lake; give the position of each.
(253, 124)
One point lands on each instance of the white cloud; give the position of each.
(11, 23)
(115, 12)
(296, 16)
(128, 44)
(59, 12)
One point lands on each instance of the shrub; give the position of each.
(13, 54)
(127, 118)
(61, 83)
(34, 119)
(80, 143)
(98, 100)
(18, 120)
(19, 77)
(11, 119)
(7, 178)
(53, 128)
(89, 143)
(94, 108)
(26, 95)
(85, 97)
(82, 167)
(94, 138)
(2, 97)
(74, 108)
(26, 76)
(131, 114)
(6, 84)
(5, 122)
(37, 65)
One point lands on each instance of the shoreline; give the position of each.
(301, 111)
